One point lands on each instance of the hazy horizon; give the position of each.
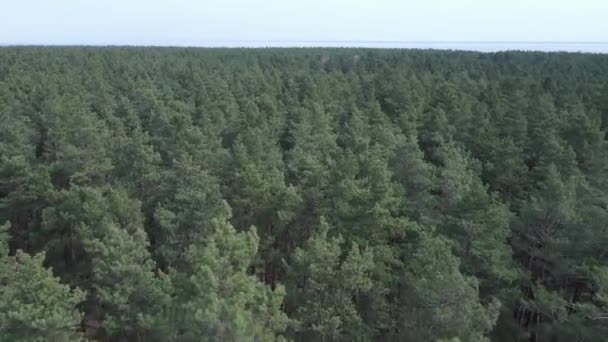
(196, 23)
(481, 46)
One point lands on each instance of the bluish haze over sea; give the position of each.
(482, 25)
(592, 47)
(586, 47)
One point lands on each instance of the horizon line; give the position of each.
(329, 41)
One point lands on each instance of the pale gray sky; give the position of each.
(181, 22)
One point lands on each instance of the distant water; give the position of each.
(595, 47)
(488, 46)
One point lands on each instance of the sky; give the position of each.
(195, 22)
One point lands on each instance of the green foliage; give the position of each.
(220, 300)
(396, 195)
(34, 304)
(105, 251)
(324, 285)
(442, 302)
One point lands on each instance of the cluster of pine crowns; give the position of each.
(183, 194)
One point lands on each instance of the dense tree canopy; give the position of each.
(169, 194)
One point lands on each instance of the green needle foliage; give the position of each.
(34, 305)
(182, 194)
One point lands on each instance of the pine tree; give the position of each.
(474, 219)
(437, 301)
(96, 239)
(188, 198)
(324, 284)
(220, 300)
(34, 304)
